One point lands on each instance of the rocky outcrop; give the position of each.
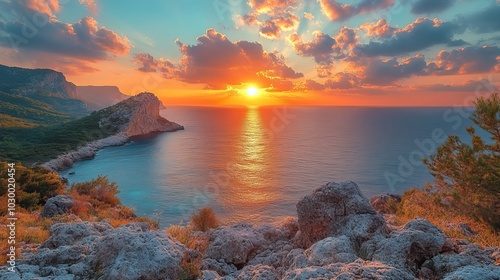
(98, 251)
(57, 205)
(385, 203)
(337, 209)
(417, 250)
(135, 116)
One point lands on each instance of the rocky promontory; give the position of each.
(338, 235)
(137, 115)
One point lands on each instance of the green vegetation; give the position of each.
(467, 181)
(42, 143)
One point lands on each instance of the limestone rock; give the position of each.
(57, 205)
(331, 250)
(385, 203)
(337, 209)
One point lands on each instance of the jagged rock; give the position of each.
(337, 209)
(360, 269)
(331, 250)
(310, 272)
(465, 229)
(220, 267)
(474, 272)
(57, 205)
(257, 272)
(209, 275)
(133, 252)
(385, 203)
(418, 241)
(234, 244)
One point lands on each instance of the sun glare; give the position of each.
(252, 91)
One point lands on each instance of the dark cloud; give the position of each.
(385, 72)
(321, 48)
(484, 21)
(313, 85)
(430, 6)
(147, 63)
(218, 62)
(337, 11)
(466, 60)
(468, 86)
(28, 29)
(419, 35)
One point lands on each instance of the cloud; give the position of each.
(468, 86)
(431, 6)
(321, 48)
(308, 16)
(90, 4)
(80, 42)
(218, 62)
(342, 80)
(273, 17)
(423, 33)
(385, 72)
(379, 29)
(337, 11)
(484, 21)
(313, 85)
(466, 60)
(147, 63)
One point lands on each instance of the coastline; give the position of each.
(88, 151)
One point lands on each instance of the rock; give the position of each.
(385, 203)
(234, 244)
(474, 272)
(418, 241)
(209, 275)
(220, 267)
(257, 272)
(360, 269)
(337, 209)
(57, 205)
(306, 273)
(131, 252)
(331, 250)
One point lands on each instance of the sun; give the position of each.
(252, 91)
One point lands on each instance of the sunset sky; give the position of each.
(264, 52)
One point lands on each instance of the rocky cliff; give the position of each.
(137, 115)
(26, 82)
(343, 238)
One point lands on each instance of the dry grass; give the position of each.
(204, 220)
(417, 203)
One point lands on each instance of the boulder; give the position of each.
(474, 272)
(257, 272)
(57, 205)
(331, 250)
(385, 203)
(337, 209)
(407, 249)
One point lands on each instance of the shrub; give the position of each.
(204, 220)
(100, 189)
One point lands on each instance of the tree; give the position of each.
(468, 175)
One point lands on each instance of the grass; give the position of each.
(204, 220)
(417, 203)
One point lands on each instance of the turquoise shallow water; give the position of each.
(254, 164)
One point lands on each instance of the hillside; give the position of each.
(37, 97)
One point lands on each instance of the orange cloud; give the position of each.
(90, 4)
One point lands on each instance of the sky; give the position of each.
(264, 52)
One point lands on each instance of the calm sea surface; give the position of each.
(254, 164)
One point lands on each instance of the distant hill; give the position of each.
(37, 96)
(100, 96)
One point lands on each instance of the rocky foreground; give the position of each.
(338, 235)
(137, 115)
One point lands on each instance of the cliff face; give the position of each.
(101, 96)
(137, 115)
(26, 82)
(134, 116)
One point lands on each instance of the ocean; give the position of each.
(255, 163)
